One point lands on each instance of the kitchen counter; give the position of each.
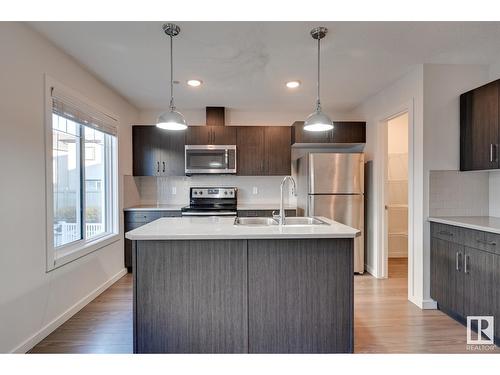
(201, 228)
(159, 207)
(178, 207)
(482, 223)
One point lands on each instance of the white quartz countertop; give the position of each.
(177, 207)
(204, 228)
(483, 223)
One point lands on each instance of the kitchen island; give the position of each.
(205, 285)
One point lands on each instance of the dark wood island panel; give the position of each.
(190, 296)
(300, 296)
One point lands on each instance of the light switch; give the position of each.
(174, 190)
(255, 190)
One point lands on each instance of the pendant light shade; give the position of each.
(171, 119)
(318, 121)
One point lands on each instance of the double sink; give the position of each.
(289, 221)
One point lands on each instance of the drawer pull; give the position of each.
(445, 233)
(491, 243)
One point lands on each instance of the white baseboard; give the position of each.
(53, 325)
(429, 304)
(371, 271)
(426, 304)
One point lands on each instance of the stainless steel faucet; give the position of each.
(281, 216)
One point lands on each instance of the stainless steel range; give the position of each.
(211, 201)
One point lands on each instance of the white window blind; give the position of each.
(76, 110)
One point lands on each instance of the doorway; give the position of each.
(396, 196)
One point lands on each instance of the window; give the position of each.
(83, 178)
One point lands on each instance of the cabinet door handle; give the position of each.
(163, 167)
(491, 152)
(446, 233)
(491, 243)
(466, 264)
(157, 167)
(457, 260)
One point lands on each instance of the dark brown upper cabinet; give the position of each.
(157, 152)
(211, 135)
(277, 151)
(342, 132)
(263, 151)
(250, 151)
(479, 128)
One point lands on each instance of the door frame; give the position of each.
(381, 196)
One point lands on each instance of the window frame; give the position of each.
(57, 257)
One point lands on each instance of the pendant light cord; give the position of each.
(318, 103)
(172, 106)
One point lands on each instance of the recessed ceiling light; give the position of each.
(194, 82)
(293, 84)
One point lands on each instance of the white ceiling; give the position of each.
(244, 65)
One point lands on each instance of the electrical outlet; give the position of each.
(174, 190)
(255, 190)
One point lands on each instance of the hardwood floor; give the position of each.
(385, 322)
(103, 326)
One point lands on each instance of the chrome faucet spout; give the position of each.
(282, 215)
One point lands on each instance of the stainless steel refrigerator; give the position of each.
(332, 185)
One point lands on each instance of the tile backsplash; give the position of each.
(455, 193)
(175, 190)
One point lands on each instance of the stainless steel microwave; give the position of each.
(210, 159)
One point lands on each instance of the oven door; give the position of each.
(209, 159)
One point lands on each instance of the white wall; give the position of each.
(32, 301)
(431, 93)
(406, 94)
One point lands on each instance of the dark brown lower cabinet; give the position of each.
(447, 275)
(243, 296)
(135, 219)
(465, 281)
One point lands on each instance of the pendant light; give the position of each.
(318, 121)
(171, 119)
